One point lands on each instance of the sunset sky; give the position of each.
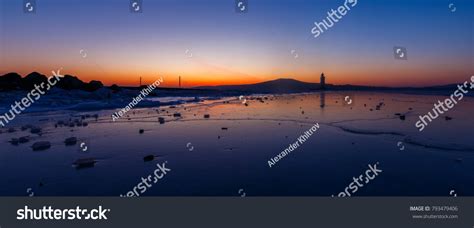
(226, 47)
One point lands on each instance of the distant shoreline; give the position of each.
(14, 82)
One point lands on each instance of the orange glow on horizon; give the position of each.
(380, 76)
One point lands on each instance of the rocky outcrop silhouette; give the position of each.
(69, 82)
(33, 79)
(10, 81)
(13, 81)
(93, 86)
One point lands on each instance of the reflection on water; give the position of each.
(231, 148)
(323, 100)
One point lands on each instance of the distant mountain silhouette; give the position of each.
(282, 85)
(285, 85)
(13, 81)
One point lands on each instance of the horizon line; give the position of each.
(220, 85)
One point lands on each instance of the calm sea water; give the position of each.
(227, 154)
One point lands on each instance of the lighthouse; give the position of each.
(323, 81)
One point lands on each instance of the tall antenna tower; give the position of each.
(179, 81)
(140, 81)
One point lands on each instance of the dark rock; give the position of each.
(93, 86)
(148, 158)
(207, 116)
(69, 82)
(84, 163)
(10, 81)
(141, 131)
(402, 117)
(70, 141)
(35, 130)
(14, 141)
(42, 145)
(33, 79)
(11, 130)
(24, 139)
(177, 114)
(115, 88)
(161, 120)
(448, 118)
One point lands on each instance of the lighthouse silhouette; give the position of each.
(323, 81)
